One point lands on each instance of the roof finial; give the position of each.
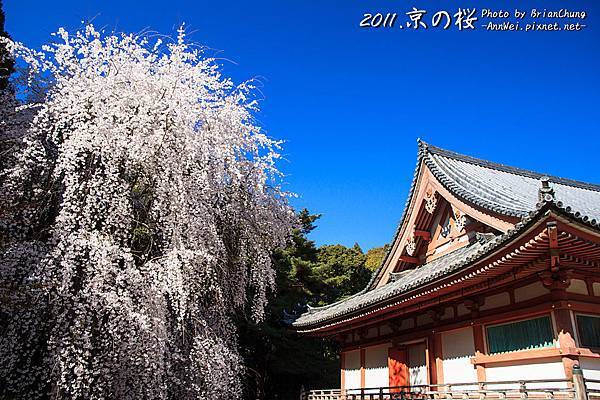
(545, 193)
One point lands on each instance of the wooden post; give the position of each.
(342, 371)
(566, 337)
(362, 371)
(478, 333)
(438, 360)
(579, 384)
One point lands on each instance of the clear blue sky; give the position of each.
(351, 102)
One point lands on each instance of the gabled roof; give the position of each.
(495, 187)
(501, 189)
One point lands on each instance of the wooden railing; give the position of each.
(523, 389)
(548, 389)
(323, 394)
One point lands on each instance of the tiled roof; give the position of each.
(496, 187)
(507, 190)
(409, 280)
(503, 189)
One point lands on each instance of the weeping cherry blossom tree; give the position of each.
(139, 206)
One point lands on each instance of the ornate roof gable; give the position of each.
(506, 200)
(495, 195)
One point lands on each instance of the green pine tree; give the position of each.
(278, 361)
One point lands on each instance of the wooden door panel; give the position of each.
(397, 367)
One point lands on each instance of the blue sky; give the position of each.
(351, 102)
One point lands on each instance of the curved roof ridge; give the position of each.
(573, 204)
(425, 155)
(311, 309)
(467, 255)
(507, 168)
(474, 252)
(420, 155)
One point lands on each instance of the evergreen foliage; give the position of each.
(279, 362)
(375, 257)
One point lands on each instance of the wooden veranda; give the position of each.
(577, 389)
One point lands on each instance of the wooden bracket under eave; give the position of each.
(425, 235)
(552, 228)
(409, 259)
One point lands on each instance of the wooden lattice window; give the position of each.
(589, 330)
(521, 335)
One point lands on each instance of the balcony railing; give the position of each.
(557, 389)
(323, 394)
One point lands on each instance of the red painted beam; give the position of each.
(409, 259)
(426, 235)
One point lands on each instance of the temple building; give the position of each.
(493, 275)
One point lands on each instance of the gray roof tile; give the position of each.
(506, 190)
(411, 279)
(496, 187)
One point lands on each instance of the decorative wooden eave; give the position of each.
(523, 251)
(503, 198)
(426, 189)
(494, 194)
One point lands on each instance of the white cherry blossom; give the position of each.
(139, 211)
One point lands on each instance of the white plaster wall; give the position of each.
(530, 291)
(457, 349)
(407, 324)
(423, 319)
(443, 247)
(591, 370)
(577, 286)
(461, 310)
(417, 364)
(495, 301)
(352, 369)
(376, 366)
(526, 370)
(448, 313)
